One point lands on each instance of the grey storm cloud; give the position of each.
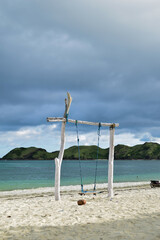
(105, 53)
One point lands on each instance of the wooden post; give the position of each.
(111, 162)
(58, 161)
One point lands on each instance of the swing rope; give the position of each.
(99, 134)
(80, 167)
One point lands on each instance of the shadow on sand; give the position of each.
(147, 228)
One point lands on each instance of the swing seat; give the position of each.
(87, 193)
(91, 192)
(83, 192)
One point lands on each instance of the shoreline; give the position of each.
(71, 188)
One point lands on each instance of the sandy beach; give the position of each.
(133, 213)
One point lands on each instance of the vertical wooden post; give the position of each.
(111, 162)
(58, 161)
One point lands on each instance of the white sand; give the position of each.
(133, 213)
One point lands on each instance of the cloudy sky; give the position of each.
(105, 53)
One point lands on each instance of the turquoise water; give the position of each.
(27, 174)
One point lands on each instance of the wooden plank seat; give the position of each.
(90, 192)
(87, 193)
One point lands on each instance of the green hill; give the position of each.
(147, 150)
(31, 153)
(86, 152)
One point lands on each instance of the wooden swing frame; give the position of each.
(58, 161)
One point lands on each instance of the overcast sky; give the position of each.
(106, 53)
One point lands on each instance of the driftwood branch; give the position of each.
(67, 105)
(58, 161)
(59, 119)
(69, 102)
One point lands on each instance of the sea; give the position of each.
(29, 174)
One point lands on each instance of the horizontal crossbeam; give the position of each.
(61, 119)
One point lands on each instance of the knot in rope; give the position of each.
(66, 117)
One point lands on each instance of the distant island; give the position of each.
(146, 151)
